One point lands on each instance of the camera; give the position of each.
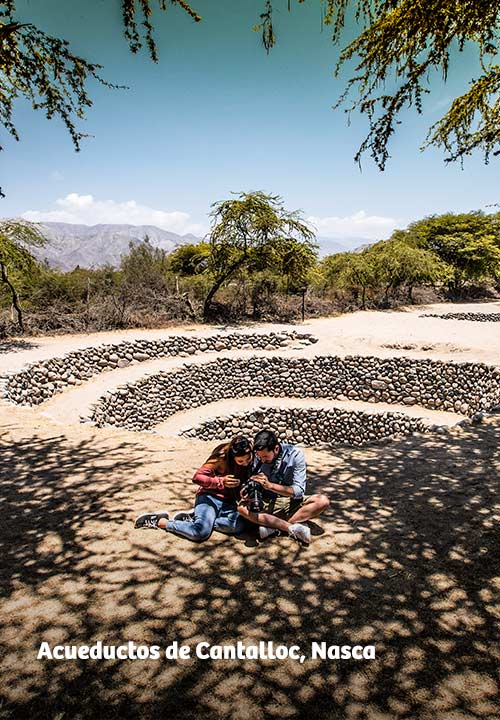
(254, 496)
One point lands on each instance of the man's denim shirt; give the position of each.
(289, 468)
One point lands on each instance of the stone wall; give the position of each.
(311, 426)
(43, 379)
(477, 317)
(467, 388)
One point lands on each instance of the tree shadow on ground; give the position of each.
(11, 346)
(409, 562)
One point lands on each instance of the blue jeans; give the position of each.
(210, 513)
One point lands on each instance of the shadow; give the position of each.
(10, 346)
(409, 561)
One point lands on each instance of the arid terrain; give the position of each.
(407, 558)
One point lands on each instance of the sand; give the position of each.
(406, 558)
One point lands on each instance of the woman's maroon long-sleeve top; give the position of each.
(210, 480)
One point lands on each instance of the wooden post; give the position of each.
(304, 290)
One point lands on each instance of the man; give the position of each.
(281, 471)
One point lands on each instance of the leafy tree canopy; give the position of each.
(16, 236)
(189, 259)
(469, 243)
(255, 231)
(398, 46)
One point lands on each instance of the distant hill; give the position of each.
(329, 246)
(70, 245)
(88, 246)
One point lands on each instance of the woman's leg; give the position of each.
(229, 520)
(205, 512)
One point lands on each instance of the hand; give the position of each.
(230, 481)
(262, 479)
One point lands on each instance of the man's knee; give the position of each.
(322, 502)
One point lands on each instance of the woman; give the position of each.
(219, 480)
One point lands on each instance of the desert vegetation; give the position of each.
(259, 262)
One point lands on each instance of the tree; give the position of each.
(43, 70)
(469, 244)
(398, 263)
(398, 46)
(14, 256)
(352, 271)
(247, 229)
(144, 265)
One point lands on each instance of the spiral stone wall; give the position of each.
(311, 426)
(476, 317)
(43, 379)
(466, 388)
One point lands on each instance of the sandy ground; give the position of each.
(406, 558)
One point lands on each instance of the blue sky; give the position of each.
(217, 115)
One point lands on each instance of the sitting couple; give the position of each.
(221, 500)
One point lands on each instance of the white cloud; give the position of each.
(86, 210)
(359, 225)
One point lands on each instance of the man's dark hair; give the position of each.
(265, 440)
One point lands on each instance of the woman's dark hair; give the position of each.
(238, 447)
(265, 440)
(223, 456)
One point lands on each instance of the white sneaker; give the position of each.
(300, 532)
(184, 516)
(265, 532)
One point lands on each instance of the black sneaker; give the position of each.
(184, 516)
(149, 520)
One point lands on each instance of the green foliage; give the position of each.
(259, 255)
(144, 265)
(51, 287)
(44, 71)
(16, 236)
(189, 259)
(468, 243)
(399, 45)
(255, 231)
(134, 26)
(450, 249)
(399, 264)
(17, 264)
(354, 272)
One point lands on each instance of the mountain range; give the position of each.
(69, 245)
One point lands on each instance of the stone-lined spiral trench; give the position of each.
(475, 317)
(40, 381)
(465, 388)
